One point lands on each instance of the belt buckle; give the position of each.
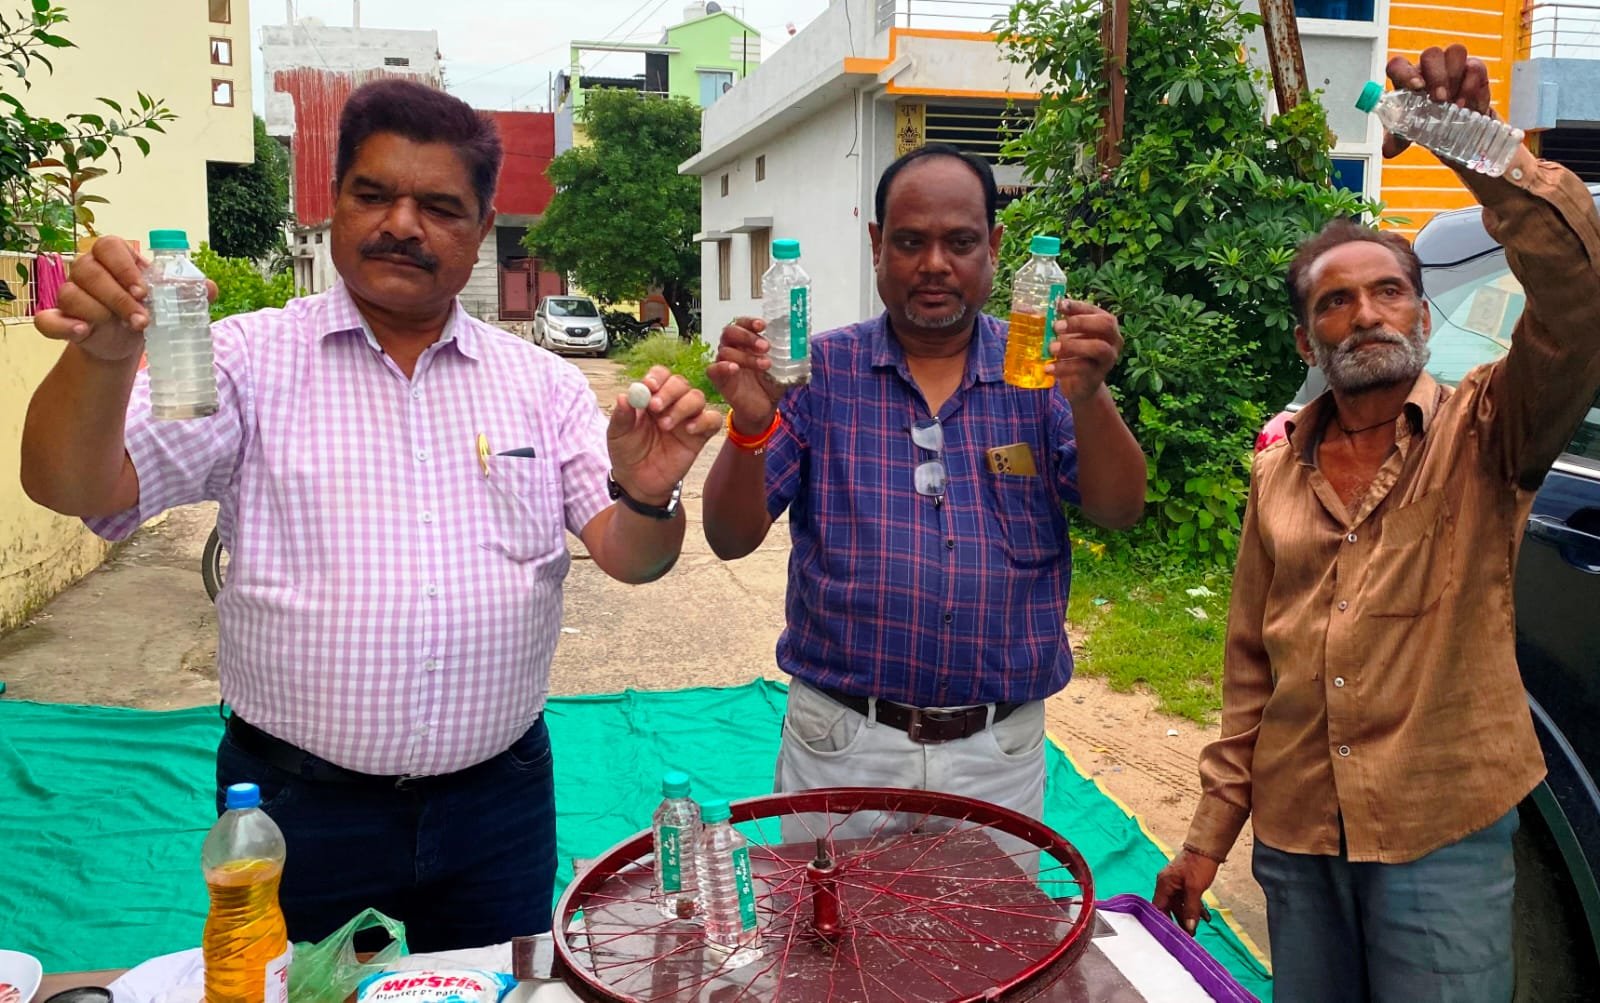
(914, 727)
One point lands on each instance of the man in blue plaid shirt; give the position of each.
(930, 566)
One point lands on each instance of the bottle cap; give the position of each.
(1050, 247)
(675, 784)
(243, 796)
(1370, 95)
(169, 240)
(715, 811)
(786, 250)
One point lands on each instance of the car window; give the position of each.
(572, 308)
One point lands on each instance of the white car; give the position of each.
(570, 324)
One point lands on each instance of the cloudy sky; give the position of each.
(501, 53)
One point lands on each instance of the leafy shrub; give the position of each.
(688, 359)
(1187, 240)
(241, 288)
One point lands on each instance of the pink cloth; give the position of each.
(49, 275)
(388, 607)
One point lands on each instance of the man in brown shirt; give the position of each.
(1374, 722)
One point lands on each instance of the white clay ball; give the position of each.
(638, 396)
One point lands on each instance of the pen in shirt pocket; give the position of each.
(526, 451)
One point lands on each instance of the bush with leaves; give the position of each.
(241, 288)
(249, 203)
(1187, 240)
(45, 163)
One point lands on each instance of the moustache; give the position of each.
(402, 249)
(1371, 336)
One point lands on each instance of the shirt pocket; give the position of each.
(525, 508)
(1032, 526)
(1411, 566)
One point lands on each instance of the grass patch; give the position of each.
(1163, 630)
(688, 359)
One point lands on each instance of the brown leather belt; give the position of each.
(925, 725)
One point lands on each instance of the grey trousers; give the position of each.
(1435, 930)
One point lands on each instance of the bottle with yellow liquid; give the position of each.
(246, 944)
(1039, 285)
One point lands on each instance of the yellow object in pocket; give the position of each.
(1016, 458)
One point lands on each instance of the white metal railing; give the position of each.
(1560, 30)
(21, 290)
(948, 15)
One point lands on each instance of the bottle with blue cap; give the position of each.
(246, 943)
(786, 307)
(727, 888)
(676, 825)
(1035, 293)
(177, 342)
(1476, 141)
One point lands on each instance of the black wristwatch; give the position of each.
(667, 511)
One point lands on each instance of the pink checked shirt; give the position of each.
(389, 607)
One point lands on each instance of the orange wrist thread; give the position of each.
(754, 443)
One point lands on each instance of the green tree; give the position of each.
(622, 220)
(45, 163)
(249, 203)
(1187, 240)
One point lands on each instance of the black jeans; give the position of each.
(464, 860)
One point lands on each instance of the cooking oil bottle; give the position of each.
(246, 944)
(1039, 285)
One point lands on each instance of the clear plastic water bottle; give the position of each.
(178, 341)
(786, 307)
(1038, 286)
(1476, 141)
(677, 837)
(727, 888)
(245, 944)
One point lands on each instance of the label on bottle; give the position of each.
(276, 986)
(799, 321)
(746, 887)
(1056, 292)
(669, 858)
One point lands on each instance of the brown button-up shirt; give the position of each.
(1370, 670)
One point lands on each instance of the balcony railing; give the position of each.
(19, 305)
(1560, 30)
(946, 15)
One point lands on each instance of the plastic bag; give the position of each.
(441, 985)
(330, 971)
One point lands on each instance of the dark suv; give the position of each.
(1475, 301)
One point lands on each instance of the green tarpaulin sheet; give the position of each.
(103, 810)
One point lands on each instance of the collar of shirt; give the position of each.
(1306, 429)
(985, 356)
(344, 317)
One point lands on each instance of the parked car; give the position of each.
(1475, 302)
(570, 324)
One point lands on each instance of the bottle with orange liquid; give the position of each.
(1039, 285)
(246, 944)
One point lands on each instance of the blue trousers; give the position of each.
(1435, 930)
(464, 860)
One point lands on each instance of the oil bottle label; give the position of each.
(799, 321)
(670, 858)
(1056, 292)
(746, 887)
(276, 985)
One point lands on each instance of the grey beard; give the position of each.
(937, 323)
(1352, 370)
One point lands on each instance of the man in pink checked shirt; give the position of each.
(395, 482)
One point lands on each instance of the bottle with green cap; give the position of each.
(676, 824)
(786, 307)
(727, 888)
(177, 343)
(1476, 141)
(1038, 287)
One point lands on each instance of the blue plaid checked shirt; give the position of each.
(896, 595)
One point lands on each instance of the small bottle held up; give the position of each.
(786, 307)
(245, 944)
(1037, 289)
(178, 339)
(677, 839)
(1476, 141)
(727, 888)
